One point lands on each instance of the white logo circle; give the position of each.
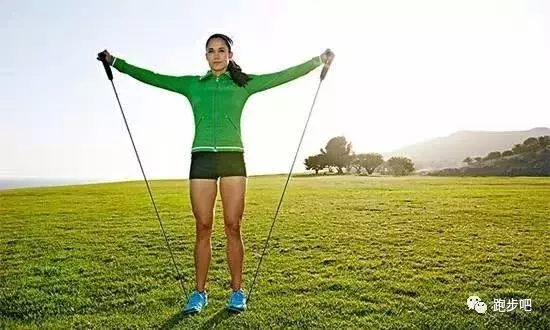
(481, 307)
(472, 301)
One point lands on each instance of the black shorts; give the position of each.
(213, 165)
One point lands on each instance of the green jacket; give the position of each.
(217, 102)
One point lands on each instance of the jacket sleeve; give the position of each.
(258, 83)
(178, 84)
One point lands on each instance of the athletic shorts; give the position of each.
(214, 165)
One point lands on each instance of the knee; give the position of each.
(233, 228)
(204, 229)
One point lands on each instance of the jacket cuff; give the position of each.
(317, 60)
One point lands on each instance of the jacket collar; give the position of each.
(209, 73)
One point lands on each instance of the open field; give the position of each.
(346, 252)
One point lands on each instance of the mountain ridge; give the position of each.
(451, 150)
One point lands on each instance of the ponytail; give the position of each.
(237, 75)
(235, 71)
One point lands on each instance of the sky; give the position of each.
(404, 72)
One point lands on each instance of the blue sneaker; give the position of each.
(237, 301)
(197, 301)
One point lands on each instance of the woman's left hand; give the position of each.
(327, 56)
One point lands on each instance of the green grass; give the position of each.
(346, 252)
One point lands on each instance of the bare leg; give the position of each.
(233, 190)
(203, 197)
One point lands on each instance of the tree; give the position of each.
(493, 155)
(507, 153)
(468, 161)
(518, 149)
(338, 153)
(400, 166)
(370, 161)
(531, 144)
(544, 142)
(355, 164)
(316, 163)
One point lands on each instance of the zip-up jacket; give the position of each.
(217, 102)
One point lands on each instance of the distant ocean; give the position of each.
(38, 182)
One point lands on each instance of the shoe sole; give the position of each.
(235, 310)
(194, 311)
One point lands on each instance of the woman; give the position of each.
(217, 99)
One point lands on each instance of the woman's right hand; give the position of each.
(107, 56)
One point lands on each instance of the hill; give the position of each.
(525, 164)
(450, 151)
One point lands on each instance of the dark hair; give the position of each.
(235, 71)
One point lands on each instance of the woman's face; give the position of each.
(217, 55)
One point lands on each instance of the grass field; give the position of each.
(346, 252)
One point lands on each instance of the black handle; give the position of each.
(330, 57)
(103, 58)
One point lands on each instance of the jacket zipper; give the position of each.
(215, 106)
